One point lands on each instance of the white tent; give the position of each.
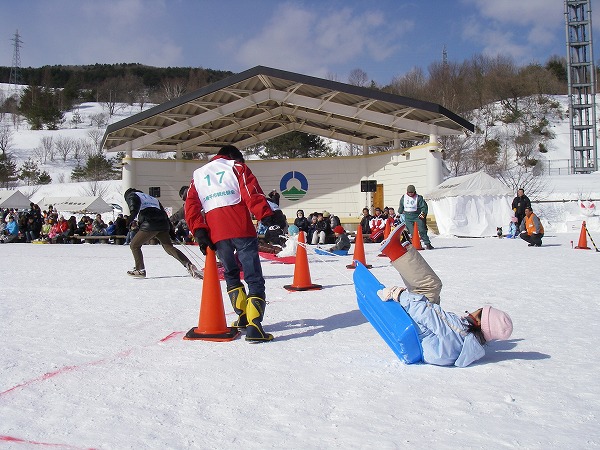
(13, 199)
(86, 205)
(471, 205)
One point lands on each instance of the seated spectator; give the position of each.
(120, 228)
(301, 222)
(377, 225)
(342, 241)
(323, 229)
(68, 236)
(393, 218)
(110, 229)
(58, 231)
(291, 244)
(46, 227)
(312, 228)
(513, 233)
(30, 230)
(334, 220)
(182, 232)
(98, 226)
(11, 231)
(133, 229)
(365, 223)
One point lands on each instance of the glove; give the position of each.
(203, 240)
(277, 218)
(269, 221)
(421, 216)
(392, 293)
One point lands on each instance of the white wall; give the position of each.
(333, 183)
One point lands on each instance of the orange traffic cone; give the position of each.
(416, 238)
(582, 245)
(359, 251)
(302, 280)
(386, 233)
(211, 322)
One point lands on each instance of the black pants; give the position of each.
(535, 239)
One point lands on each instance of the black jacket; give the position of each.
(519, 204)
(149, 219)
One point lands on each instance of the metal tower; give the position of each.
(15, 71)
(582, 86)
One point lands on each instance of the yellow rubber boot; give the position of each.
(255, 312)
(239, 302)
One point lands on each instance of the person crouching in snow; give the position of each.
(446, 338)
(342, 241)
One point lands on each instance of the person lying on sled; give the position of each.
(446, 338)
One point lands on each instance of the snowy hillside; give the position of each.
(24, 141)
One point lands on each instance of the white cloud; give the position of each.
(312, 41)
(548, 13)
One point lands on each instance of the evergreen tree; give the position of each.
(8, 170)
(78, 173)
(97, 168)
(44, 178)
(29, 172)
(294, 145)
(42, 107)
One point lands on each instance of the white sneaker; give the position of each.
(193, 271)
(138, 273)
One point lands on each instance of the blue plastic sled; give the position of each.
(390, 320)
(320, 251)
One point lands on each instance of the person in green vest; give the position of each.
(414, 208)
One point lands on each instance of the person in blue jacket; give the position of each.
(446, 338)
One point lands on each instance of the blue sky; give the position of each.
(328, 39)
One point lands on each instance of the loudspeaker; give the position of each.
(368, 186)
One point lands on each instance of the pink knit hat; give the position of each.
(495, 324)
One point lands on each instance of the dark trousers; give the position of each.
(247, 253)
(535, 239)
(141, 237)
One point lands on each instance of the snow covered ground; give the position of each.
(91, 358)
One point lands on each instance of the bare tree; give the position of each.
(94, 189)
(413, 84)
(99, 120)
(173, 88)
(96, 137)
(517, 177)
(358, 77)
(45, 150)
(64, 146)
(29, 191)
(111, 93)
(6, 134)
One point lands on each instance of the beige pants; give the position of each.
(418, 276)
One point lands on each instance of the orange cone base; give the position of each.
(196, 335)
(353, 266)
(310, 287)
(583, 248)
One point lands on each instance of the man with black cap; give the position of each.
(222, 195)
(415, 210)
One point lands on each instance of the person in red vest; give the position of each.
(532, 230)
(222, 195)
